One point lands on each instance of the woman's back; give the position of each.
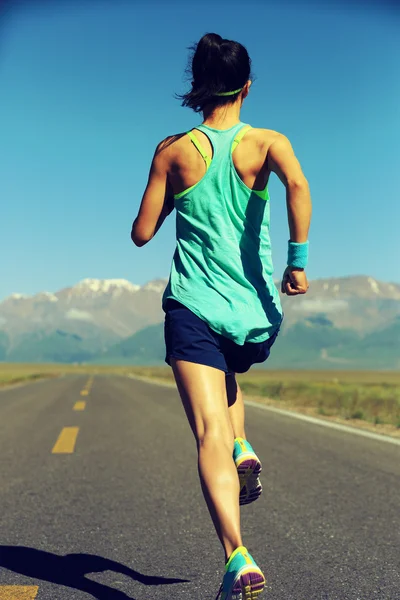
(187, 166)
(222, 267)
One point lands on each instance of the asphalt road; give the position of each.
(122, 516)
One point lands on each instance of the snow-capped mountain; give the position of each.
(111, 308)
(92, 287)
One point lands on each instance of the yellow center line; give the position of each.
(66, 441)
(87, 387)
(81, 405)
(18, 592)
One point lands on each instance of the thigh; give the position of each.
(204, 397)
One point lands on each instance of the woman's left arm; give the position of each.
(157, 202)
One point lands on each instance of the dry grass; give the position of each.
(12, 373)
(372, 401)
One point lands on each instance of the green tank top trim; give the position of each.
(263, 194)
(207, 159)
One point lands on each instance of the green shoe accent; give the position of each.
(234, 553)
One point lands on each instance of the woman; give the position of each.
(222, 308)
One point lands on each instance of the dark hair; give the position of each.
(215, 65)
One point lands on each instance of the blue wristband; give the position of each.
(297, 255)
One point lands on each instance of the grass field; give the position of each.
(369, 397)
(12, 373)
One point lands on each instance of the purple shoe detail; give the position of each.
(250, 485)
(249, 585)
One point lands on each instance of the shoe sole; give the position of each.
(248, 585)
(249, 470)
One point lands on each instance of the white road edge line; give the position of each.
(288, 413)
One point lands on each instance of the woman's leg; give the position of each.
(203, 393)
(236, 406)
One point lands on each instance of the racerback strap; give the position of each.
(239, 136)
(200, 148)
(207, 159)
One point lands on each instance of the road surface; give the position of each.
(99, 498)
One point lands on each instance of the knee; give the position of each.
(215, 435)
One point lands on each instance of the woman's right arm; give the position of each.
(282, 161)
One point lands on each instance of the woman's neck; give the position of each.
(223, 117)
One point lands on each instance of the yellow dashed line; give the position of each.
(80, 405)
(87, 387)
(66, 441)
(18, 592)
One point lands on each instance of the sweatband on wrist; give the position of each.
(297, 255)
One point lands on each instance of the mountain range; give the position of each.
(346, 323)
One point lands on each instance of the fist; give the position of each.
(294, 282)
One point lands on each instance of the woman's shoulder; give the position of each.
(170, 141)
(265, 134)
(262, 137)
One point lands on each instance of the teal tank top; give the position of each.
(222, 266)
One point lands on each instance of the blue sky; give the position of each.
(87, 93)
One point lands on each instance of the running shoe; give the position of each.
(249, 468)
(243, 579)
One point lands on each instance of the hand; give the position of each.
(294, 282)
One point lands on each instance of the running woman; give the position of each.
(223, 311)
